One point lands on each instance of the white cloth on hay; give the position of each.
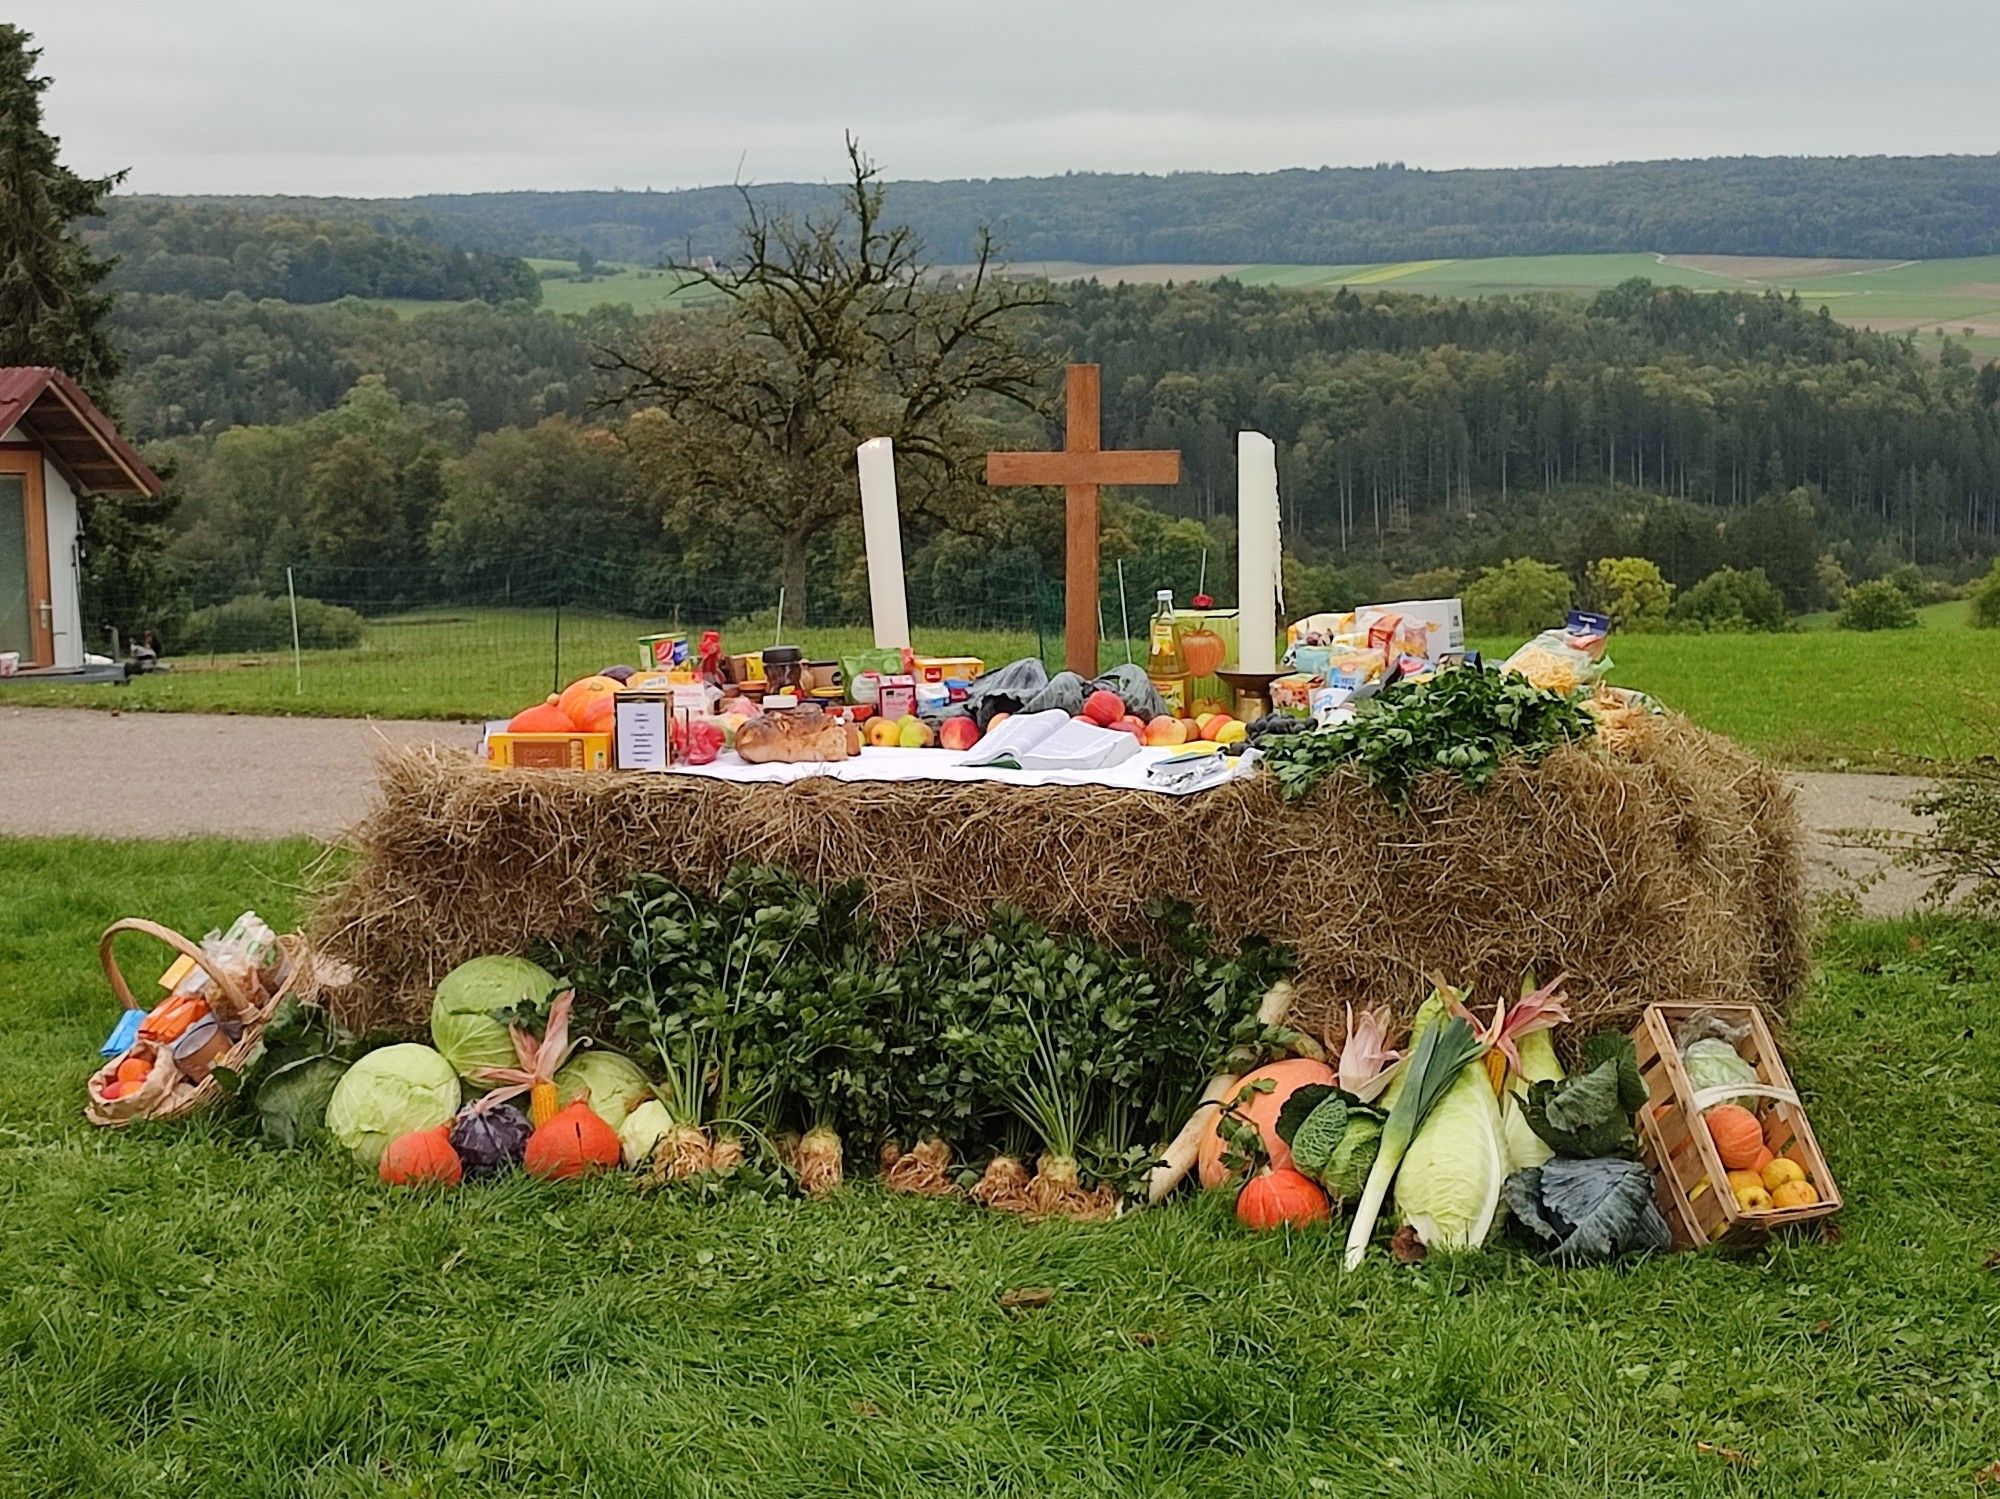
(936, 765)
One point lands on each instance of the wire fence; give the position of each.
(401, 642)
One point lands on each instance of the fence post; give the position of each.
(298, 662)
(555, 676)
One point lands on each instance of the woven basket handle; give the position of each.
(225, 987)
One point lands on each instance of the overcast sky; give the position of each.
(391, 97)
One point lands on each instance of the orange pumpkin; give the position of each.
(1203, 650)
(1737, 1134)
(574, 1143)
(422, 1156)
(1280, 1198)
(588, 702)
(543, 718)
(1262, 1110)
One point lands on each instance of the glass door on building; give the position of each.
(25, 622)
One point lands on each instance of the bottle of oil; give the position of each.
(1164, 663)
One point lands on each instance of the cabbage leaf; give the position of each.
(1448, 1188)
(1588, 1212)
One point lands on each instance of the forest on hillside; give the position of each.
(466, 449)
(1866, 207)
(209, 250)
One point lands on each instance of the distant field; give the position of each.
(1887, 296)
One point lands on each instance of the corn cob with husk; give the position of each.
(538, 1060)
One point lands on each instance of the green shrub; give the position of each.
(1877, 605)
(1519, 597)
(1730, 600)
(256, 623)
(1632, 591)
(1910, 582)
(1986, 599)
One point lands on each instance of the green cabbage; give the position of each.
(464, 1026)
(1335, 1143)
(616, 1084)
(389, 1093)
(1448, 1187)
(642, 1130)
(1713, 1063)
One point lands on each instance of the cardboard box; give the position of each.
(578, 751)
(1446, 617)
(897, 697)
(938, 668)
(664, 651)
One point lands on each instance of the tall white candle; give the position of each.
(1258, 582)
(882, 536)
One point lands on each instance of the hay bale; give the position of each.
(1665, 870)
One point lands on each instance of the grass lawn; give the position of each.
(1820, 698)
(189, 1312)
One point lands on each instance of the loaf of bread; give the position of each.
(790, 736)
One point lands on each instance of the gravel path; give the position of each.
(169, 775)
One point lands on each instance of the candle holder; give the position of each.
(1252, 691)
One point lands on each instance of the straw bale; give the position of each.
(1666, 869)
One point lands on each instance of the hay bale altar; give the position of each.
(1668, 870)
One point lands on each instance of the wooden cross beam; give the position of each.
(1080, 467)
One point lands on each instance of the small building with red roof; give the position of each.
(56, 450)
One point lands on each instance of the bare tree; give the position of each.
(836, 329)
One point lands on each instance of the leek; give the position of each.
(1443, 1050)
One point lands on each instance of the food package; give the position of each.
(1556, 661)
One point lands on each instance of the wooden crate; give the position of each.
(1689, 1178)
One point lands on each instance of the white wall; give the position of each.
(59, 502)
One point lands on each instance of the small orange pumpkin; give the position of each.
(1281, 1198)
(543, 718)
(574, 1143)
(1737, 1134)
(1262, 1108)
(590, 702)
(1203, 650)
(422, 1156)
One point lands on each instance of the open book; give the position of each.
(1051, 741)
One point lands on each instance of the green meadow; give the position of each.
(186, 1310)
(1814, 698)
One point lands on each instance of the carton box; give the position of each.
(578, 751)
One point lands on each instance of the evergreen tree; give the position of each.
(51, 310)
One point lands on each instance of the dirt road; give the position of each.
(170, 775)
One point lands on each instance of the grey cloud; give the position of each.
(378, 98)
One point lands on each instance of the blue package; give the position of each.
(123, 1034)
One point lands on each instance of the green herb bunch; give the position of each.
(1465, 722)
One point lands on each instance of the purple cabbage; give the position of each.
(490, 1140)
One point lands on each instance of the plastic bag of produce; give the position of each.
(1065, 690)
(1134, 688)
(1008, 690)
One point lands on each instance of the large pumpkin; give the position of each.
(1203, 650)
(590, 703)
(543, 718)
(1288, 1077)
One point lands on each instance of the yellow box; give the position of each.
(577, 751)
(944, 668)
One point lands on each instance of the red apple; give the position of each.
(958, 734)
(1131, 726)
(1104, 708)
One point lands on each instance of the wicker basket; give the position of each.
(1690, 1181)
(227, 1001)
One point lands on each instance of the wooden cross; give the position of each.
(1080, 467)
